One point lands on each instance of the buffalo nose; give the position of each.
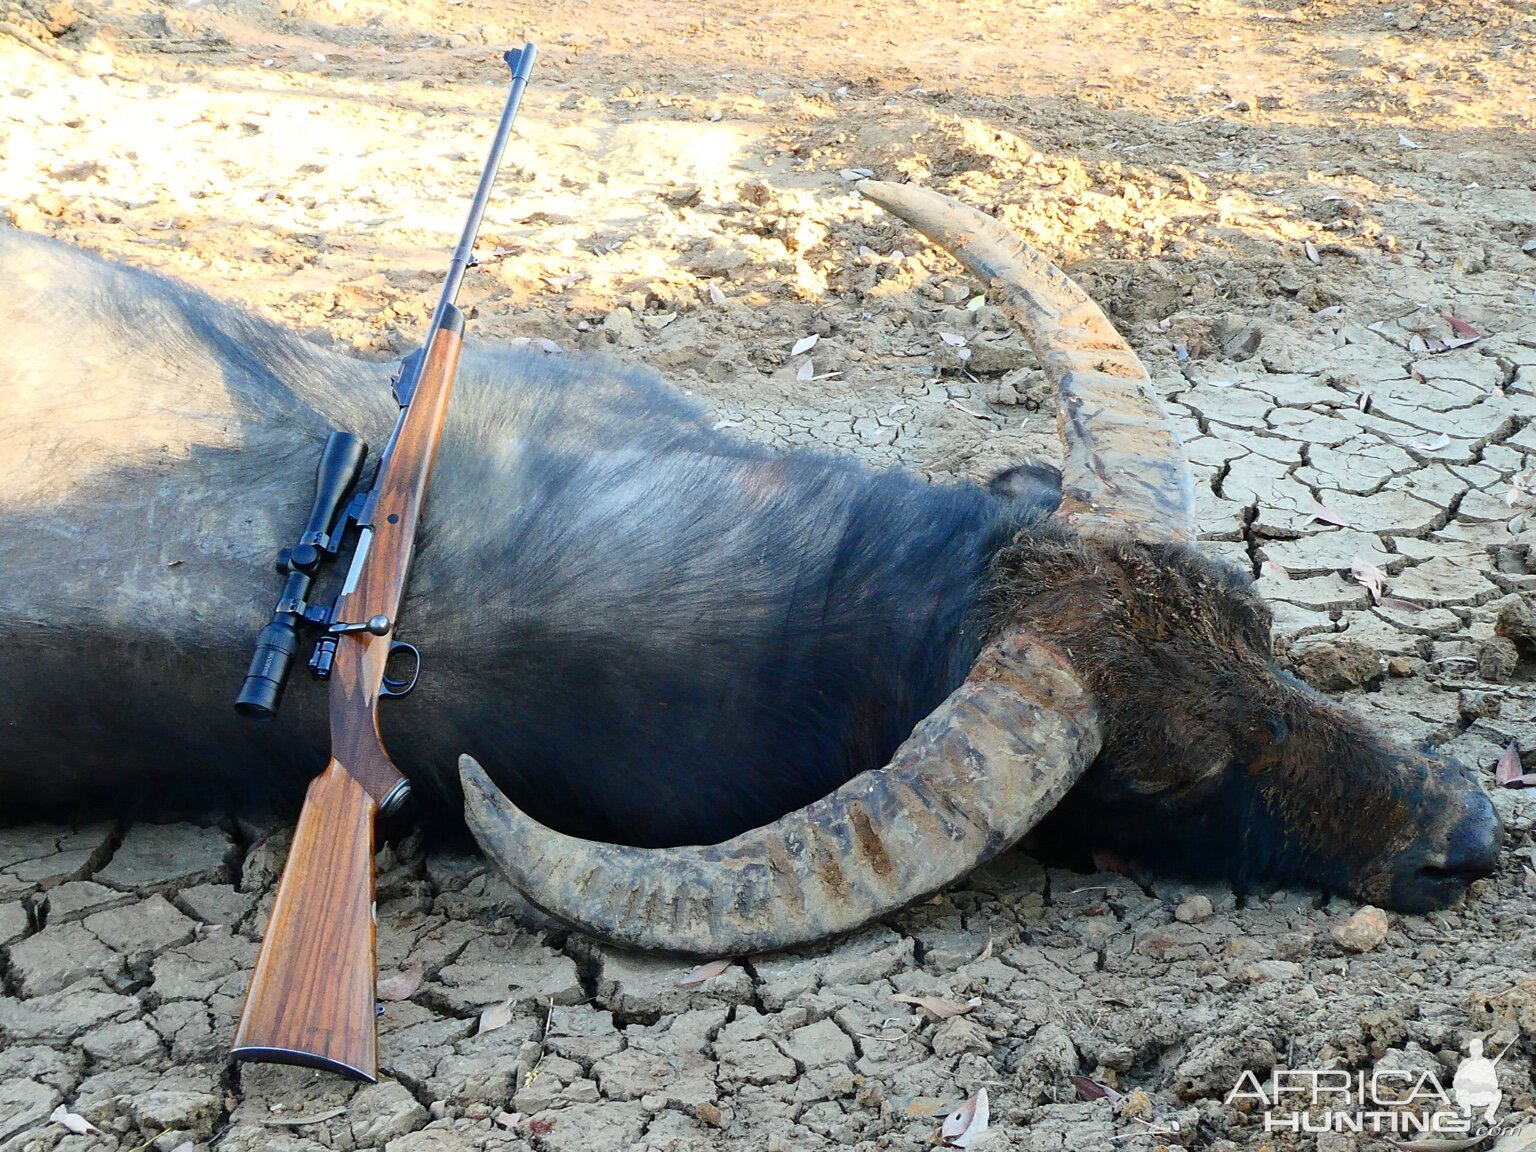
(1472, 849)
(1444, 864)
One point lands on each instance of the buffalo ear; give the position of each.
(1030, 482)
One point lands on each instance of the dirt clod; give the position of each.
(1497, 659)
(1336, 665)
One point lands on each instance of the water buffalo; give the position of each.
(719, 699)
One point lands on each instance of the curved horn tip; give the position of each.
(973, 777)
(1123, 467)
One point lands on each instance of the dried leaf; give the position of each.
(401, 985)
(1311, 250)
(541, 1126)
(1463, 328)
(704, 972)
(953, 339)
(806, 371)
(938, 1007)
(1326, 514)
(804, 344)
(494, 1017)
(967, 1122)
(1092, 1090)
(1439, 442)
(508, 1120)
(1374, 579)
(75, 1122)
(1508, 769)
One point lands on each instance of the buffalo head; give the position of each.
(1114, 649)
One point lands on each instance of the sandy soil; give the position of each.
(1282, 208)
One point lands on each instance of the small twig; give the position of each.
(300, 1121)
(548, 1017)
(906, 1034)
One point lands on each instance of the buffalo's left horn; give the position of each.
(1123, 468)
(972, 778)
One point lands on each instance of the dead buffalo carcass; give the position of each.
(718, 699)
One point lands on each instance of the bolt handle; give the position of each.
(375, 626)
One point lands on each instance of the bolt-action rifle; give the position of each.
(311, 999)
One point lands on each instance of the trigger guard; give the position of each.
(395, 687)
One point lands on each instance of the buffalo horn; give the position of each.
(1123, 469)
(973, 777)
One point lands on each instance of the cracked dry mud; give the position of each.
(1279, 206)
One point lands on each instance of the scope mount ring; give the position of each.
(395, 687)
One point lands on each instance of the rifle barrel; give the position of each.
(520, 61)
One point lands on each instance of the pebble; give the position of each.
(1137, 1105)
(1194, 909)
(1362, 932)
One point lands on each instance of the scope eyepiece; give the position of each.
(264, 680)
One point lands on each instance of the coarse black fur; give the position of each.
(647, 631)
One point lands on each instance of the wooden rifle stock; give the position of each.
(312, 994)
(311, 999)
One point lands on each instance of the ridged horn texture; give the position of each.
(1123, 467)
(972, 778)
